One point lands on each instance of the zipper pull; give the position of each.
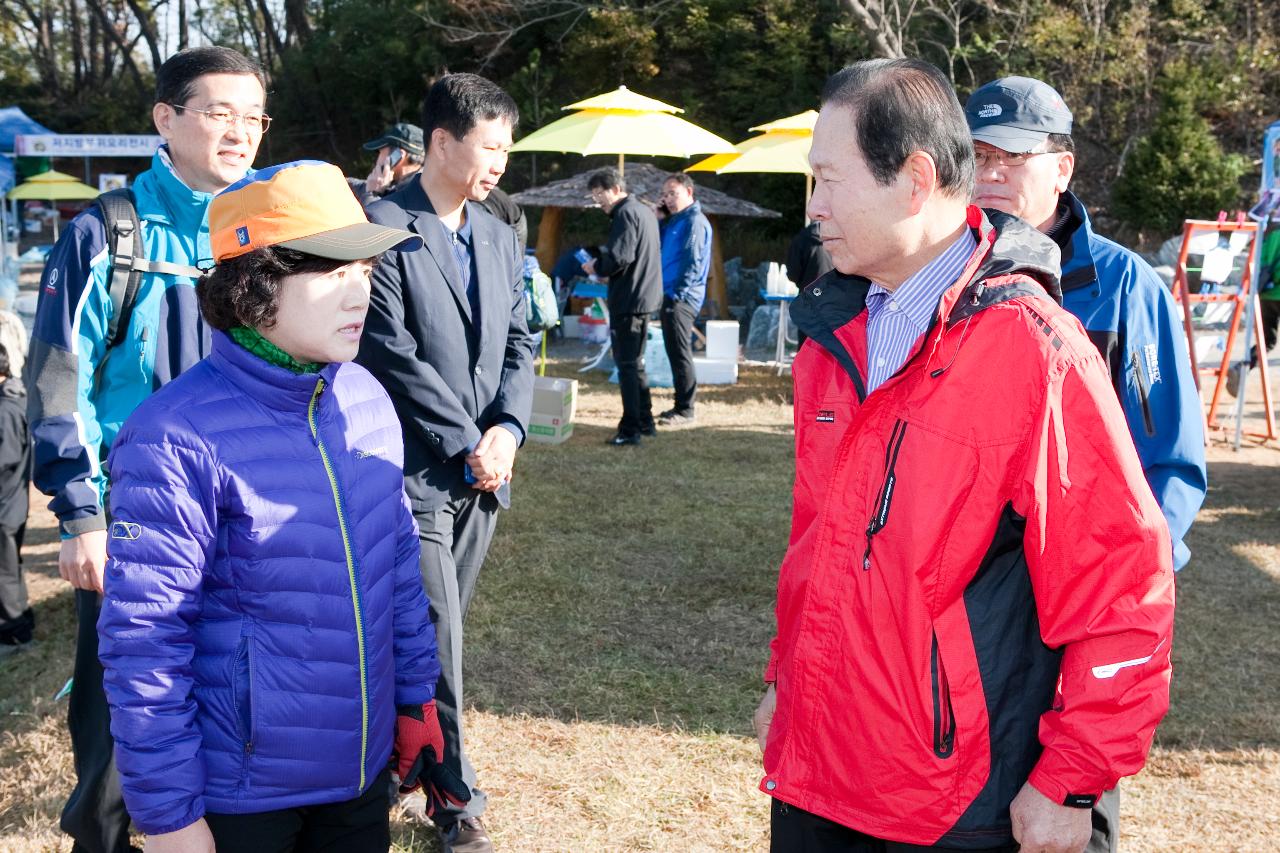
(866, 557)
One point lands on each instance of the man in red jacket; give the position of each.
(975, 611)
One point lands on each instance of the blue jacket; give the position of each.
(686, 255)
(1130, 316)
(264, 612)
(79, 397)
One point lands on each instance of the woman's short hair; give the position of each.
(245, 290)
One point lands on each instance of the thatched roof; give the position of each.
(644, 181)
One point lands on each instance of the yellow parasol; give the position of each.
(52, 186)
(781, 147)
(622, 122)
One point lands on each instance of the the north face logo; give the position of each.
(242, 235)
(990, 111)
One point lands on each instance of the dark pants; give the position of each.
(455, 539)
(361, 825)
(1270, 312)
(677, 337)
(630, 333)
(94, 815)
(16, 618)
(794, 830)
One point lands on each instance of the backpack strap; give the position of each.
(128, 259)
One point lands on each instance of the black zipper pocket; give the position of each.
(944, 722)
(1143, 395)
(884, 500)
(242, 691)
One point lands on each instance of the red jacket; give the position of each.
(978, 587)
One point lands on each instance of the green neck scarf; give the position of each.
(254, 342)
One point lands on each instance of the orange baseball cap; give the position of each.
(305, 205)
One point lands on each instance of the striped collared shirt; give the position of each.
(897, 318)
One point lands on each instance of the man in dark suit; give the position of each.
(632, 261)
(447, 338)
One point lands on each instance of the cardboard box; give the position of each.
(715, 371)
(556, 398)
(545, 429)
(722, 340)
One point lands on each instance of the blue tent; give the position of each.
(14, 121)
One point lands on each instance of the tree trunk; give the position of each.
(147, 25)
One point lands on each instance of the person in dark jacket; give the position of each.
(500, 205)
(265, 638)
(686, 261)
(447, 338)
(17, 620)
(632, 261)
(807, 260)
(400, 157)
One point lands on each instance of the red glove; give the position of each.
(418, 753)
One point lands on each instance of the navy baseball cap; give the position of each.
(401, 135)
(1016, 114)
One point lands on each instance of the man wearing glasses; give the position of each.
(1025, 158)
(210, 111)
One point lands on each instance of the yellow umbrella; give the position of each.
(622, 122)
(782, 147)
(52, 186)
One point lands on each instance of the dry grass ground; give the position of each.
(621, 622)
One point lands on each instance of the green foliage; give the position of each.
(1178, 170)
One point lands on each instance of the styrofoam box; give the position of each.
(545, 429)
(715, 371)
(569, 325)
(722, 339)
(556, 398)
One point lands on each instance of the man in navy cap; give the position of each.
(1025, 158)
(400, 156)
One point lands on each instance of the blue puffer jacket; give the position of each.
(1130, 316)
(264, 612)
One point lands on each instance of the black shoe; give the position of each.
(674, 417)
(466, 836)
(621, 440)
(649, 430)
(1233, 378)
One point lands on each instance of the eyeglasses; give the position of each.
(225, 119)
(984, 158)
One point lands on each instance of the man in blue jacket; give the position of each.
(1025, 158)
(210, 110)
(686, 259)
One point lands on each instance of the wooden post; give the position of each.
(716, 288)
(549, 233)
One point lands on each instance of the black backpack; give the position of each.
(128, 262)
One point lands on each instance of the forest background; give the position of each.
(1170, 96)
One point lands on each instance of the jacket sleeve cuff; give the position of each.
(72, 527)
(193, 813)
(1056, 784)
(771, 670)
(509, 423)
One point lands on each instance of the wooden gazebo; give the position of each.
(645, 182)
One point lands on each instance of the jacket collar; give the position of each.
(272, 386)
(424, 222)
(1076, 243)
(688, 213)
(163, 197)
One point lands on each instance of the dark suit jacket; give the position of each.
(451, 376)
(632, 259)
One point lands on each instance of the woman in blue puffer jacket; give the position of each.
(264, 633)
